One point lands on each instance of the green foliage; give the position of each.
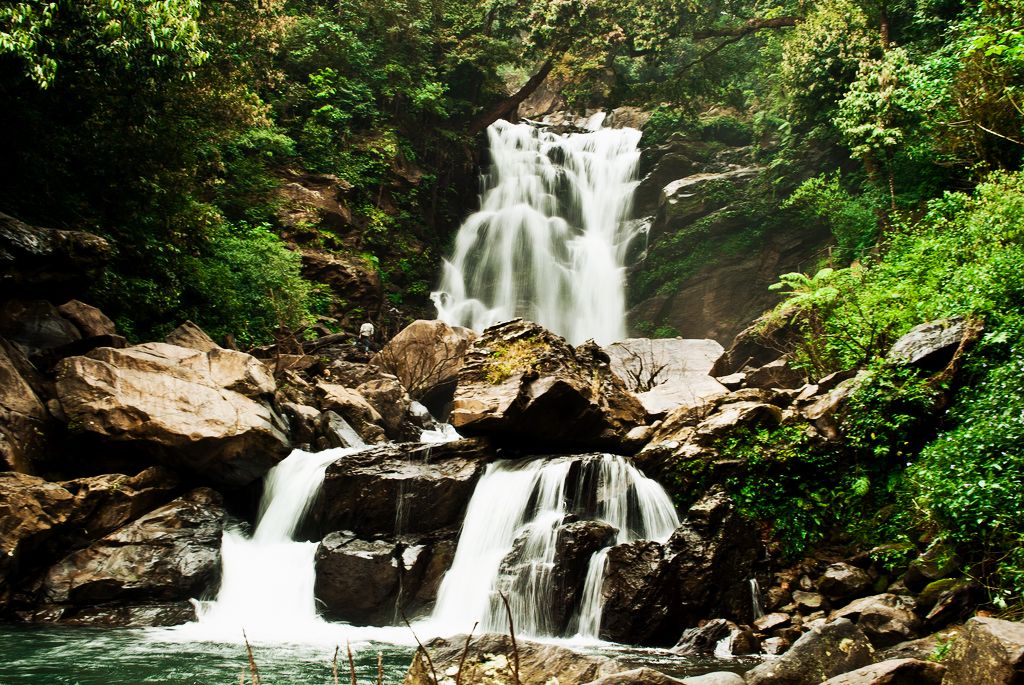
(964, 257)
(852, 219)
(968, 481)
(249, 284)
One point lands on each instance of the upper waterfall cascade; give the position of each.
(551, 239)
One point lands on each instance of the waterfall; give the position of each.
(267, 578)
(523, 505)
(550, 241)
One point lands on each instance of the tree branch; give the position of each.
(509, 104)
(751, 26)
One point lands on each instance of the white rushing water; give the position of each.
(550, 241)
(267, 578)
(524, 504)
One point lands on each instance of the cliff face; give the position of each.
(715, 243)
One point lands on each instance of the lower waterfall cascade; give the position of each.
(268, 577)
(528, 502)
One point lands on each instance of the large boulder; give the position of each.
(667, 373)
(635, 605)
(357, 580)
(89, 320)
(988, 651)
(191, 336)
(32, 512)
(652, 592)
(37, 327)
(205, 412)
(23, 416)
(426, 357)
(842, 581)
(894, 672)
(354, 408)
(929, 346)
(886, 619)
(172, 553)
(107, 502)
(692, 197)
(825, 651)
(377, 582)
(713, 555)
(493, 660)
(393, 404)
(399, 489)
(46, 260)
(525, 385)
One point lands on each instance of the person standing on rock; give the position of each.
(366, 337)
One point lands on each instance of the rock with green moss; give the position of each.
(826, 651)
(523, 384)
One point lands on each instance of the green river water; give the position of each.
(94, 656)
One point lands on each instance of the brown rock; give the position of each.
(989, 651)
(358, 581)
(36, 327)
(896, 672)
(730, 417)
(105, 503)
(23, 416)
(201, 411)
(32, 511)
(89, 320)
(886, 619)
(775, 374)
(825, 651)
(399, 489)
(521, 383)
(191, 336)
(667, 373)
(172, 553)
(841, 581)
(489, 661)
(426, 357)
(44, 259)
(392, 403)
(354, 408)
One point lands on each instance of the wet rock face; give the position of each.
(46, 260)
(399, 489)
(172, 553)
(652, 592)
(378, 582)
(205, 412)
(825, 651)
(23, 416)
(32, 512)
(989, 651)
(523, 384)
(575, 544)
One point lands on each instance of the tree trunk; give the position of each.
(509, 104)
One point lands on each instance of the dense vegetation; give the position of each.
(169, 126)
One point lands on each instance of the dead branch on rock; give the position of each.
(512, 635)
